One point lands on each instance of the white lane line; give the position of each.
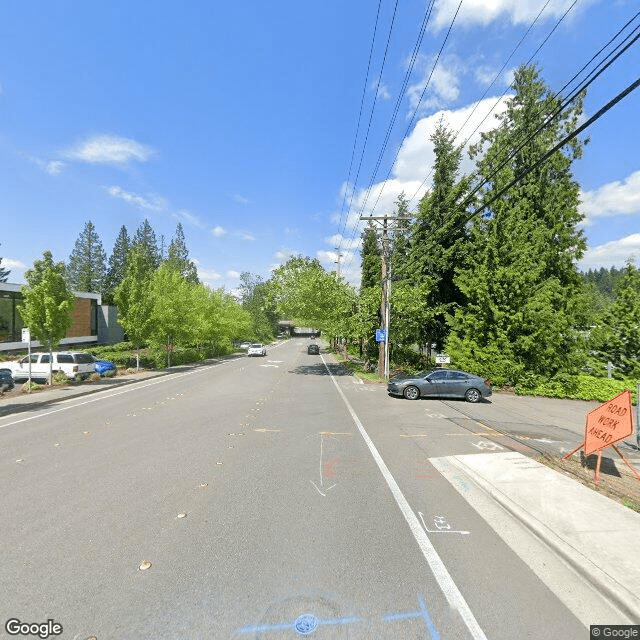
(135, 387)
(442, 576)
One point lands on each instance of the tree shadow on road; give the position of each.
(320, 370)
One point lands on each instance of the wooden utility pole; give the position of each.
(383, 347)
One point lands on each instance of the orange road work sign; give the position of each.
(609, 423)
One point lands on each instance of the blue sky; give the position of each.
(239, 119)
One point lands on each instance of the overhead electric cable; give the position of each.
(506, 62)
(375, 97)
(364, 92)
(623, 94)
(407, 76)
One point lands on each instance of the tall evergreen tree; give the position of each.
(371, 258)
(4, 273)
(521, 284)
(117, 265)
(86, 270)
(178, 256)
(438, 243)
(146, 239)
(368, 317)
(616, 336)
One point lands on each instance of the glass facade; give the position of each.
(10, 321)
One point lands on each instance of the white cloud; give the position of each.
(612, 254)
(613, 199)
(54, 167)
(209, 276)
(8, 263)
(411, 172)
(157, 204)
(107, 149)
(218, 231)
(246, 236)
(190, 218)
(233, 274)
(241, 199)
(444, 82)
(338, 240)
(484, 12)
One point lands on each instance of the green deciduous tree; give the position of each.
(47, 303)
(523, 297)
(86, 270)
(309, 296)
(256, 301)
(134, 300)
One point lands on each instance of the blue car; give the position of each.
(104, 366)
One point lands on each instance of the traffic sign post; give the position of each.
(26, 337)
(381, 335)
(606, 425)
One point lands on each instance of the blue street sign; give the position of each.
(381, 335)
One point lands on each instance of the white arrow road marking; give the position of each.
(318, 490)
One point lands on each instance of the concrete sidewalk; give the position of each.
(595, 535)
(13, 402)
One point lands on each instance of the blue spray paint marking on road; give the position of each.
(304, 625)
(422, 613)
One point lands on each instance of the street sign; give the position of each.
(442, 358)
(26, 335)
(381, 335)
(608, 423)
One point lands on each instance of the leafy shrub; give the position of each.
(580, 387)
(34, 387)
(60, 378)
(94, 377)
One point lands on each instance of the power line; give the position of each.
(623, 94)
(364, 92)
(407, 76)
(375, 98)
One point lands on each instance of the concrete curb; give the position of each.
(615, 592)
(44, 398)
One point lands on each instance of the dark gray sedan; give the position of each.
(440, 383)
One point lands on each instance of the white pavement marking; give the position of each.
(135, 387)
(440, 573)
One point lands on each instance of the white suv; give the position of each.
(75, 365)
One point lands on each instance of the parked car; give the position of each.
(103, 367)
(257, 349)
(76, 365)
(6, 380)
(245, 345)
(440, 383)
(313, 350)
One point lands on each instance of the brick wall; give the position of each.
(81, 319)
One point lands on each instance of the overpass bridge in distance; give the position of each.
(285, 326)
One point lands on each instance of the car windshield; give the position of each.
(256, 346)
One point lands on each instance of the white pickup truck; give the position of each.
(75, 365)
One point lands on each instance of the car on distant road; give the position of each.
(6, 380)
(313, 350)
(257, 349)
(440, 383)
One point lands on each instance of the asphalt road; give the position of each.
(272, 498)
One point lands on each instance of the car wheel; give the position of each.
(411, 393)
(472, 395)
